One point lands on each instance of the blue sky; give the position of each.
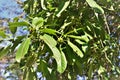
(9, 9)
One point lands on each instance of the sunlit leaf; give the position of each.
(18, 24)
(84, 37)
(79, 41)
(65, 5)
(84, 48)
(22, 50)
(95, 6)
(119, 27)
(49, 31)
(109, 0)
(101, 70)
(51, 42)
(75, 49)
(43, 5)
(64, 25)
(118, 69)
(37, 22)
(63, 61)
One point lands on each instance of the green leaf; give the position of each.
(95, 6)
(79, 41)
(49, 31)
(46, 71)
(29, 74)
(118, 69)
(13, 29)
(18, 24)
(63, 61)
(13, 25)
(75, 49)
(84, 48)
(84, 37)
(42, 67)
(51, 42)
(2, 34)
(43, 5)
(65, 25)
(118, 27)
(109, 0)
(38, 22)
(48, 40)
(79, 66)
(70, 55)
(90, 71)
(64, 6)
(17, 41)
(101, 70)
(23, 49)
(4, 51)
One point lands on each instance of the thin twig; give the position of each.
(105, 52)
(108, 30)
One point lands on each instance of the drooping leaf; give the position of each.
(57, 56)
(13, 25)
(51, 42)
(64, 6)
(63, 61)
(18, 24)
(4, 51)
(22, 50)
(75, 49)
(95, 6)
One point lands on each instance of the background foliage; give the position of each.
(67, 38)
